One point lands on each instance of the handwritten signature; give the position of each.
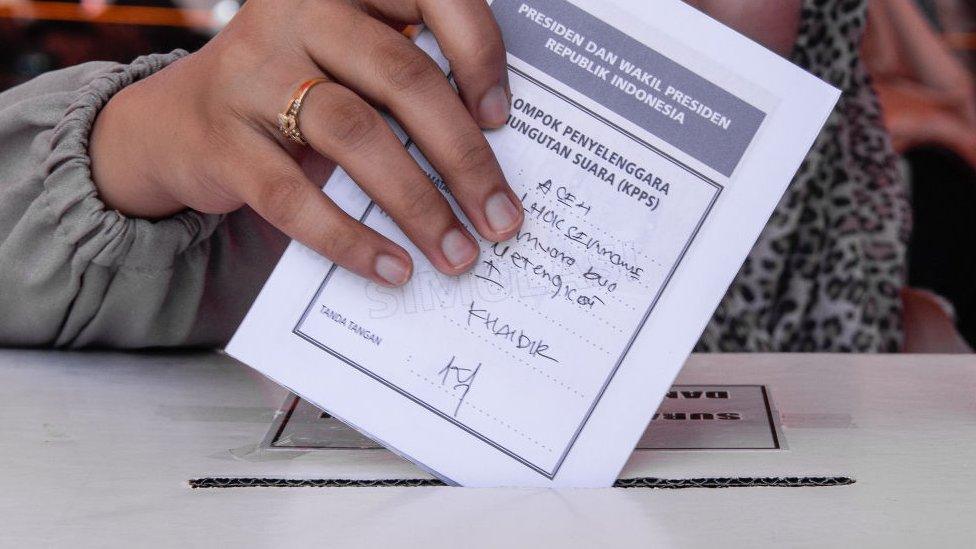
(461, 378)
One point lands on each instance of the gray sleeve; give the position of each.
(75, 274)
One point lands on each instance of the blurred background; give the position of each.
(920, 53)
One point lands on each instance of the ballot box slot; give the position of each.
(625, 483)
(690, 418)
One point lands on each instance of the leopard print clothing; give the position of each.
(826, 273)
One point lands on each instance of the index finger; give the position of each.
(279, 192)
(471, 40)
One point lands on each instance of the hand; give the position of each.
(202, 133)
(772, 23)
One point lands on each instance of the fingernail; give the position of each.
(494, 107)
(392, 270)
(458, 248)
(501, 212)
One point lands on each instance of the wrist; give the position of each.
(119, 158)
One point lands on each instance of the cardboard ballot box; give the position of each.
(104, 449)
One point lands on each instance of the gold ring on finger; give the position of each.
(288, 120)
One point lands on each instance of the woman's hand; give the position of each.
(772, 23)
(203, 132)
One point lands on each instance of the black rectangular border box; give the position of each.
(548, 474)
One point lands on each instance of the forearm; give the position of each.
(927, 57)
(74, 273)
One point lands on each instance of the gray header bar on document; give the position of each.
(631, 79)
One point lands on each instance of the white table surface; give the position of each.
(96, 450)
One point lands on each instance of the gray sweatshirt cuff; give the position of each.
(100, 235)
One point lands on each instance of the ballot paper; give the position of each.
(649, 145)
